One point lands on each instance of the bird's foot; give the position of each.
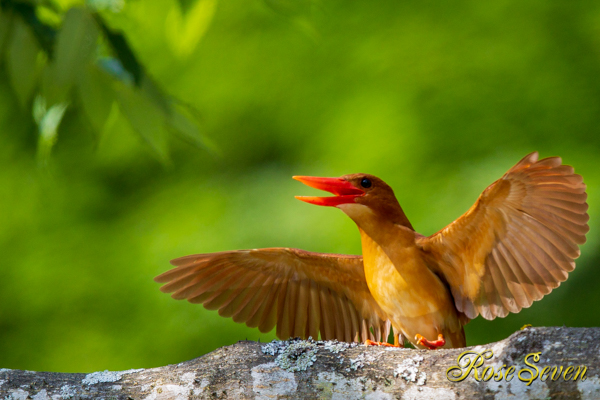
(430, 345)
(372, 343)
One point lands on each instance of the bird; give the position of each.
(516, 244)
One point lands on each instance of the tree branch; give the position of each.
(299, 369)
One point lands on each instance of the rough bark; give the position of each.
(298, 369)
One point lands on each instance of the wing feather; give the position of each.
(268, 317)
(301, 321)
(337, 317)
(538, 274)
(252, 302)
(228, 291)
(355, 329)
(327, 316)
(314, 310)
(364, 330)
(190, 278)
(346, 319)
(578, 208)
(241, 303)
(203, 287)
(518, 241)
(522, 279)
(241, 296)
(283, 301)
(551, 258)
(301, 293)
(504, 279)
(253, 316)
(499, 281)
(520, 255)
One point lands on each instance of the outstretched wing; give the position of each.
(517, 242)
(302, 293)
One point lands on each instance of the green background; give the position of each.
(439, 100)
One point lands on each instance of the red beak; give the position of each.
(344, 191)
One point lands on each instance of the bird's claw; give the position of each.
(430, 345)
(372, 343)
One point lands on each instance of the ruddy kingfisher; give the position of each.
(513, 246)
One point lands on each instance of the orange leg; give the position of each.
(372, 343)
(397, 342)
(431, 345)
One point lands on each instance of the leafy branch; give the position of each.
(56, 58)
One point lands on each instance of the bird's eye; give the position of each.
(366, 183)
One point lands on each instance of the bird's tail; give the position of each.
(455, 339)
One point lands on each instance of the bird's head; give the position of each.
(362, 197)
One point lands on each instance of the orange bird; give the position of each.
(513, 246)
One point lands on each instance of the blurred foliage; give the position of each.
(97, 196)
(67, 54)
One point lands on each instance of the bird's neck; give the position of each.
(401, 219)
(381, 225)
(387, 234)
(380, 212)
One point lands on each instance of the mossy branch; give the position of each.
(298, 369)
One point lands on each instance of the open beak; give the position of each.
(344, 191)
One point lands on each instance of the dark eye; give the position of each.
(366, 183)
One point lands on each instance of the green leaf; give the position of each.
(75, 48)
(122, 50)
(22, 63)
(182, 121)
(180, 118)
(48, 122)
(48, 16)
(151, 90)
(114, 67)
(39, 109)
(95, 90)
(185, 31)
(146, 118)
(75, 45)
(43, 33)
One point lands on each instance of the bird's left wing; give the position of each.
(303, 293)
(516, 243)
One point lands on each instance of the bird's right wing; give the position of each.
(303, 293)
(518, 241)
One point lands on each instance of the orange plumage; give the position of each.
(515, 245)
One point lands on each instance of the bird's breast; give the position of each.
(404, 286)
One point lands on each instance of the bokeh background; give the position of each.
(439, 100)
